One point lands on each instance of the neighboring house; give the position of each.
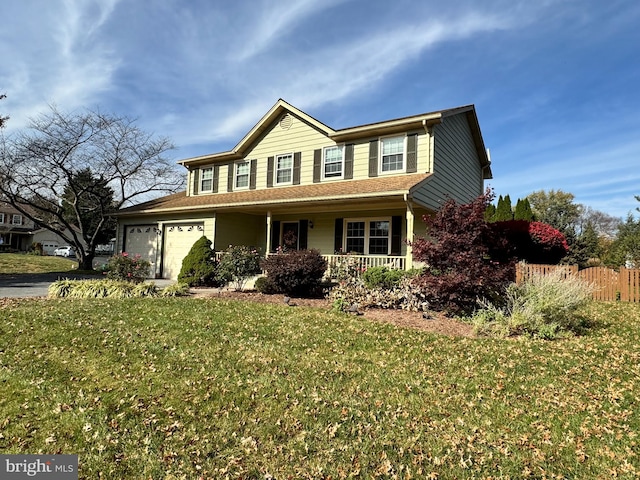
(15, 229)
(50, 240)
(294, 181)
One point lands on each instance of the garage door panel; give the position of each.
(143, 240)
(178, 240)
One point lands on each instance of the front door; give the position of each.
(290, 235)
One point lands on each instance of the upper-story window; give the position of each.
(1, 217)
(284, 169)
(242, 175)
(392, 153)
(333, 162)
(16, 219)
(206, 179)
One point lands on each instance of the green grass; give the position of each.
(14, 263)
(193, 388)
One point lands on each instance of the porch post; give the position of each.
(408, 263)
(268, 233)
(213, 230)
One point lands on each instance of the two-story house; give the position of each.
(293, 181)
(15, 229)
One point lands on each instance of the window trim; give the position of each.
(367, 228)
(202, 180)
(324, 163)
(1, 217)
(236, 174)
(381, 150)
(276, 169)
(13, 219)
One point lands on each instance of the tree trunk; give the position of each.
(86, 262)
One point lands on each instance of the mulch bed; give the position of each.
(435, 323)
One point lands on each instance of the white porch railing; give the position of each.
(353, 265)
(356, 264)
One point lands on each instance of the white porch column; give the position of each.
(268, 233)
(213, 230)
(410, 221)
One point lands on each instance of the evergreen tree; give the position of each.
(199, 266)
(490, 213)
(504, 212)
(87, 203)
(523, 210)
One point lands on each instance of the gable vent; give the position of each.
(286, 121)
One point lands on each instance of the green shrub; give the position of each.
(36, 249)
(544, 306)
(127, 268)
(345, 267)
(101, 289)
(297, 272)
(382, 277)
(263, 285)
(238, 264)
(199, 267)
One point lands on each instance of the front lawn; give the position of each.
(13, 263)
(213, 388)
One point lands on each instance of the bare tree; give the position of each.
(3, 120)
(39, 169)
(605, 225)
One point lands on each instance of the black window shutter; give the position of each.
(339, 229)
(252, 175)
(230, 177)
(275, 235)
(196, 181)
(216, 177)
(297, 160)
(270, 172)
(396, 235)
(412, 153)
(317, 165)
(348, 161)
(303, 234)
(373, 158)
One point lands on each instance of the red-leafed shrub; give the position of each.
(466, 258)
(534, 242)
(296, 272)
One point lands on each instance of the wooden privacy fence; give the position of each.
(609, 285)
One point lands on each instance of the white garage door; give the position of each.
(142, 240)
(178, 240)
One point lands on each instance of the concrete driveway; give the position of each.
(37, 284)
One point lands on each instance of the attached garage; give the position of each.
(178, 240)
(142, 240)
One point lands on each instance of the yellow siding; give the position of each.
(299, 137)
(239, 229)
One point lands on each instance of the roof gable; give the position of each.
(281, 108)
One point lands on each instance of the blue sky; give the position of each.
(556, 83)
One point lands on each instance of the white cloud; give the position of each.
(64, 62)
(274, 20)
